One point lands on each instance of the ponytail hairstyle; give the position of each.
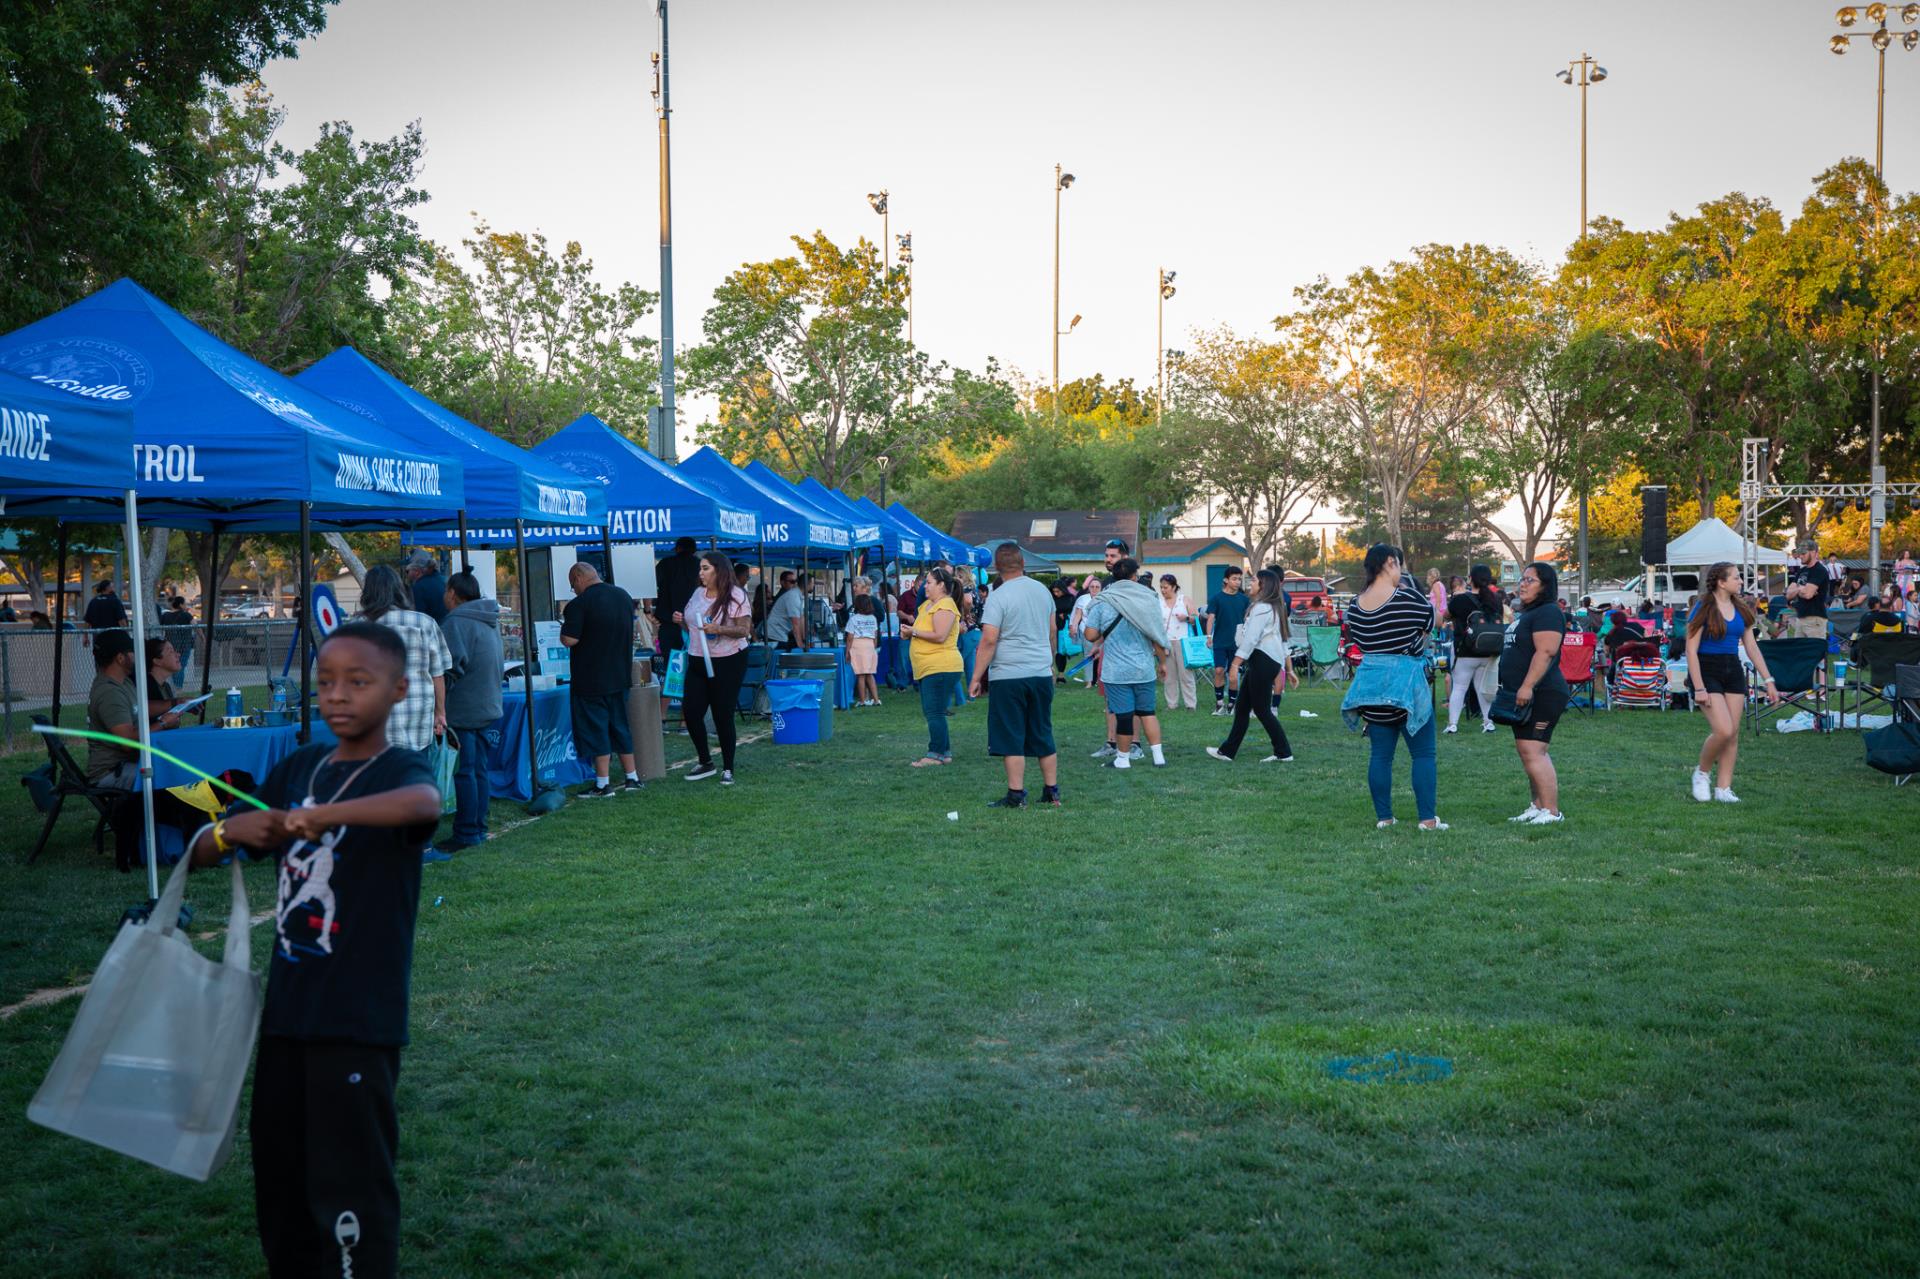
(1706, 619)
(1376, 562)
(1481, 578)
(1271, 592)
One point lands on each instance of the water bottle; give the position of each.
(279, 697)
(235, 707)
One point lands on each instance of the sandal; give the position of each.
(926, 761)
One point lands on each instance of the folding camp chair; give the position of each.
(1639, 683)
(68, 779)
(1871, 676)
(759, 667)
(1323, 650)
(1577, 651)
(1796, 666)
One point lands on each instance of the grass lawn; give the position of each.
(810, 1025)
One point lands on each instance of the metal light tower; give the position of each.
(903, 254)
(1061, 181)
(1881, 39)
(878, 199)
(660, 434)
(1160, 338)
(1580, 73)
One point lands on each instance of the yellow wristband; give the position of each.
(220, 844)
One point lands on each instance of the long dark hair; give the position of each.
(1706, 618)
(727, 594)
(1272, 593)
(1481, 577)
(1376, 562)
(383, 592)
(1549, 584)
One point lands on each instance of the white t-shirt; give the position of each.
(862, 626)
(1022, 611)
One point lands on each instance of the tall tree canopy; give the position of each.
(97, 106)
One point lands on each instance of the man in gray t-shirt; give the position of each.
(1015, 662)
(787, 617)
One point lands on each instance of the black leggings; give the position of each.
(722, 695)
(1256, 682)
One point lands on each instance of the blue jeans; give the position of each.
(1385, 739)
(470, 786)
(969, 645)
(936, 694)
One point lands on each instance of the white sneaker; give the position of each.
(1220, 708)
(1383, 825)
(1725, 796)
(1437, 825)
(1488, 727)
(1220, 755)
(1278, 759)
(1702, 787)
(1532, 812)
(1135, 752)
(1545, 817)
(1105, 752)
(1453, 728)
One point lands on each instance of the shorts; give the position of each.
(1722, 673)
(1807, 627)
(1222, 658)
(1130, 699)
(600, 725)
(1020, 717)
(1547, 711)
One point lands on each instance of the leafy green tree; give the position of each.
(1254, 431)
(809, 358)
(527, 340)
(96, 139)
(1407, 358)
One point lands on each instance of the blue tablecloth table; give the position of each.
(507, 744)
(216, 749)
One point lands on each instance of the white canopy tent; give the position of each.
(1712, 541)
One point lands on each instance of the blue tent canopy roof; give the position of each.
(948, 548)
(503, 483)
(783, 527)
(902, 542)
(218, 435)
(50, 440)
(868, 530)
(818, 516)
(647, 500)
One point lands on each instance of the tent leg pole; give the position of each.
(526, 664)
(606, 550)
(139, 592)
(760, 628)
(466, 562)
(303, 609)
(59, 612)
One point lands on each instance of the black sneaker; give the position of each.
(1012, 799)
(726, 777)
(701, 772)
(1050, 795)
(632, 785)
(602, 791)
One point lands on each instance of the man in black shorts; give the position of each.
(599, 629)
(1016, 651)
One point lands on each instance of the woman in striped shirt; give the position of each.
(1392, 620)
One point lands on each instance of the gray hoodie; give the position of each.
(473, 681)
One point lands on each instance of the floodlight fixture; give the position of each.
(1847, 16)
(878, 199)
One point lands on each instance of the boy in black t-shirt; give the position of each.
(346, 824)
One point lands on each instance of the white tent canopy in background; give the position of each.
(1712, 541)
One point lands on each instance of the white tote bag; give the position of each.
(154, 1063)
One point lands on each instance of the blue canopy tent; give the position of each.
(504, 484)
(945, 547)
(220, 439)
(52, 447)
(784, 526)
(899, 541)
(647, 500)
(868, 529)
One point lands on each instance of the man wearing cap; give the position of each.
(429, 588)
(1808, 591)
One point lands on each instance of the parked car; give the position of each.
(1670, 586)
(1310, 599)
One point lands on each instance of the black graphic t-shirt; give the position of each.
(1516, 656)
(1816, 576)
(343, 920)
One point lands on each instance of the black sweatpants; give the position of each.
(1256, 683)
(722, 695)
(325, 1134)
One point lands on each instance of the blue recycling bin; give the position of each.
(795, 704)
(824, 670)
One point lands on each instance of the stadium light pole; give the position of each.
(1881, 39)
(1061, 181)
(660, 436)
(1580, 73)
(1160, 338)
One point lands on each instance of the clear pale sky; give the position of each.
(1249, 146)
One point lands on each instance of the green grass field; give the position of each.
(809, 1025)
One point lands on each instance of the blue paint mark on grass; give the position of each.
(1391, 1068)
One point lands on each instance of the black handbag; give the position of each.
(1506, 709)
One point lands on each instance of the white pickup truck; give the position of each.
(1669, 587)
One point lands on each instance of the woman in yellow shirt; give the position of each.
(935, 651)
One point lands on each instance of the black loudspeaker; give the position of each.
(1653, 525)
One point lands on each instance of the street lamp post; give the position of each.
(1881, 39)
(1580, 73)
(1061, 181)
(660, 437)
(1160, 338)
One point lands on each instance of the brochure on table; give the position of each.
(555, 657)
